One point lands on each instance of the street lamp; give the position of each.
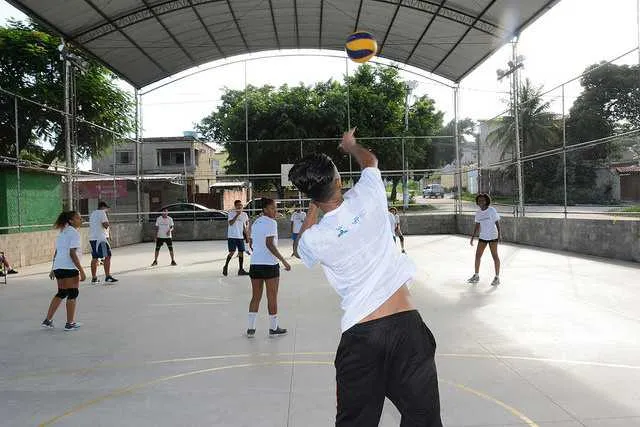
(514, 65)
(411, 85)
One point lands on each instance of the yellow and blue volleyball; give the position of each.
(361, 46)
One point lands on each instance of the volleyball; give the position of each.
(361, 46)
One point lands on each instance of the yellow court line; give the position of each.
(139, 386)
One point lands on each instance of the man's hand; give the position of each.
(471, 242)
(287, 266)
(348, 140)
(83, 276)
(52, 275)
(251, 244)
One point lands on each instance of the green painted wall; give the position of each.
(40, 199)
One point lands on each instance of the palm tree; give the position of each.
(538, 126)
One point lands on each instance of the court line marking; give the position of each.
(197, 296)
(188, 303)
(496, 357)
(135, 387)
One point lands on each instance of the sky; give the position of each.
(557, 48)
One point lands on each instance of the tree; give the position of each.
(30, 66)
(377, 104)
(445, 148)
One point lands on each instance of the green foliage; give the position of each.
(377, 105)
(30, 66)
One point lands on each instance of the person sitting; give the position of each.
(6, 267)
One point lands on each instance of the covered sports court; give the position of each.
(555, 345)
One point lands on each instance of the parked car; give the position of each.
(191, 212)
(433, 190)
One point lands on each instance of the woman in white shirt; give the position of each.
(66, 269)
(265, 268)
(488, 224)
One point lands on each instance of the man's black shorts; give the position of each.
(389, 357)
(64, 273)
(235, 245)
(261, 271)
(161, 241)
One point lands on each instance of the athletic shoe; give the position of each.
(110, 279)
(474, 279)
(251, 333)
(95, 281)
(225, 270)
(242, 272)
(404, 252)
(154, 263)
(174, 263)
(280, 332)
(72, 326)
(496, 281)
(47, 324)
(12, 271)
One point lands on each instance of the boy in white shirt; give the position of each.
(236, 232)
(99, 241)
(297, 219)
(488, 223)
(386, 350)
(164, 234)
(394, 220)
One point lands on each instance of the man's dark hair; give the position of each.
(486, 197)
(235, 202)
(103, 205)
(314, 176)
(267, 202)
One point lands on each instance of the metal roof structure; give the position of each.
(145, 41)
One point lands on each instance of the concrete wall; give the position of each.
(32, 248)
(605, 238)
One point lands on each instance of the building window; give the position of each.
(173, 157)
(124, 157)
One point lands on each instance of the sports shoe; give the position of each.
(94, 281)
(72, 326)
(404, 252)
(12, 271)
(474, 279)
(496, 281)
(242, 272)
(280, 332)
(174, 263)
(225, 270)
(47, 324)
(251, 333)
(110, 279)
(154, 263)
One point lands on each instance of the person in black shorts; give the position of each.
(164, 234)
(487, 225)
(236, 234)
(66, 269)
(265, 268)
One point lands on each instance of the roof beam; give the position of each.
(233, 15)
(173, 37)
(464, 35)
(355, 27)
(206, 29)
(275, 27)
(424, 33)
(126, 36)
(321, 19)
(393, 20)
(295, 11)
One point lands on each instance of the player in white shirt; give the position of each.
(265, 269)
(237, 233)
(386, 350)
(164, 234)
(297, 219)
(99, 241)
(66, 269)
(394, 221)
(488, 224)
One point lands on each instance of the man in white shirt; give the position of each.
(487, 222)
(99, 240)
(236, 234)
(264, 269)
(297, 219)
(386, 350)
(164, 230)
(394, 221)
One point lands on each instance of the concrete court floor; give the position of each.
(557, 344)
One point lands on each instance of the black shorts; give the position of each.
(488, 241)
(389, 357)
(261, 271)
(235, 245)
(63, 273)
(161, 241)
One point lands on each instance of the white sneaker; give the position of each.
(496, 281)
(72, 326)
(474, 279)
